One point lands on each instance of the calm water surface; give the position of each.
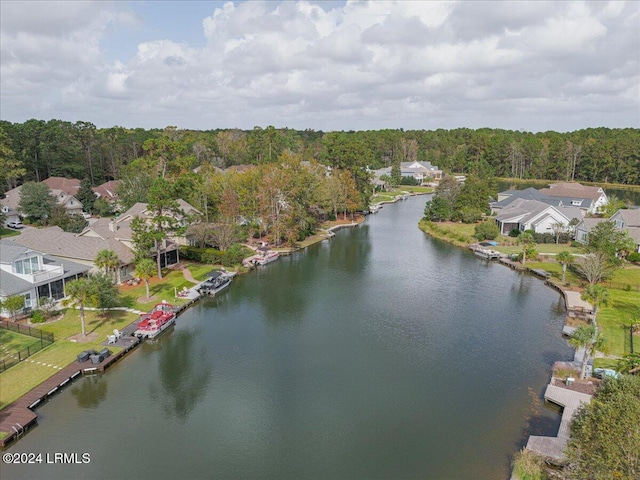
(380, 354)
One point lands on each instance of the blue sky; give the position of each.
(322, 65)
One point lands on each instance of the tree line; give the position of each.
(36, 149)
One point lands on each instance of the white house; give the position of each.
(578, 195)
(531, 215)
(34, 275)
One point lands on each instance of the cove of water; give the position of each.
(379, 354)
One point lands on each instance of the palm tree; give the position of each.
(589, 338)
(145, 269)
(526, 240)
(596, 295)
(108, 260)
(565, 259)
(81, 292)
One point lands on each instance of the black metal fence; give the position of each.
(11, 357)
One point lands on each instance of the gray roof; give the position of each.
(630, 216)
(522, 210)
(10, 251)
(533, 194)
(12, 284)
(588, 223)
(55, 241)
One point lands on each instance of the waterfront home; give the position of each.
(506, 197)
(421, 171)
(533, 215)
(578, 195)
(82, 249)
(33, 274)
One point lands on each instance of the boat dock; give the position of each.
(553, 447)
(18, 417)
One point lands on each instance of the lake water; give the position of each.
(380, 354)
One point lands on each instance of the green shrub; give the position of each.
(634, 257)
(38, 317)
(514, 233)
(528, 466)
(487, 231)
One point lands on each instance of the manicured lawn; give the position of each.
(383, 197)
(541, 248)
(624, 309)
(414, 189)
(18, 380)
(173, 281)
(201, 271)
(13, 342)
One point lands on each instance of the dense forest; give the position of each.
(37, 149)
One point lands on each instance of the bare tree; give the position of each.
(594, 267)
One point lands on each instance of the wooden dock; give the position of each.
(553, 447)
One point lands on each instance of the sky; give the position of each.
(323, 65)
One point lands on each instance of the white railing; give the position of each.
(46, 274)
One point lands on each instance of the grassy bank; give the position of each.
(18, 380)
(623, 286)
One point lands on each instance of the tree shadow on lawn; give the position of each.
(113, 317)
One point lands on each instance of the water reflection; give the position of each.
(185, 375)
(353, 256)
(90, 391)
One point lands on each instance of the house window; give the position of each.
(576, 202)
(57, 289)
(28, 265)
(619, 224)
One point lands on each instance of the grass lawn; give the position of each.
(383, 197)
(460, 234)
(13, 342)
(18, 380)
(414, 189)
(201, 271)
(165, 289)
(541, 248)
(8, 232)
(623, 309)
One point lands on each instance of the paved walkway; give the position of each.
(553, 447)
(187, 275)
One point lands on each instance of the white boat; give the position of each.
(487, 253)
(267, 258)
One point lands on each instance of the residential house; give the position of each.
(79, 248)
(584, 228)
(107, 191)
(531, 215)
(63, 195)
(33, 274)
(508, 196)
(629, 220)
(70, 186)
(578, 194)
(423, 172)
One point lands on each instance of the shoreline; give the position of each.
(549, 446)
(25, 416)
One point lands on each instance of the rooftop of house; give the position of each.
(588, 223)
(67, 185)
(55, 241)
(107, 190)
(573, 190)
(13, 284)
(630, 216)
(522, 209)
(533, 194)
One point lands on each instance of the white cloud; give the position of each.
(363, 65)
